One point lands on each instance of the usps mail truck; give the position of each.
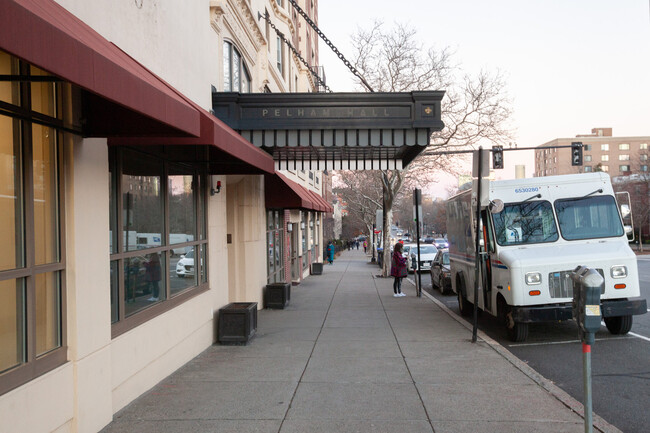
(533, 233)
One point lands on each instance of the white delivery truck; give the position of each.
(534, 233)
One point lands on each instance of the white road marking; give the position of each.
(639, 336)
(564, 342)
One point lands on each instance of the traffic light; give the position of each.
(497, 157)
(576, 153)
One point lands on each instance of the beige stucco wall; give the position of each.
(246, 215)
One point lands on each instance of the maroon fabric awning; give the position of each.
(324, 206)
(230, 153)
(123, 98)
(282, 193)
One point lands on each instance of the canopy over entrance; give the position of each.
(321, 131)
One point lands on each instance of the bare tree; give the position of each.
(475, 108)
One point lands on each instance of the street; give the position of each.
(620, 364)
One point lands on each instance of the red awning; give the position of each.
(230, 152)
(123, 97)
(326, 206)
(282, 193)
(323, 206)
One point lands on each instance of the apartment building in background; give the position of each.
(602, 151)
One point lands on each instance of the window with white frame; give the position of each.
(279, 55)
(643, 146)
(624, 146)
(624, 157)
(236, 77)
(604, 147)
(604, 157)
(623, 168)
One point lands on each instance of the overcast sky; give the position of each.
(570, 65)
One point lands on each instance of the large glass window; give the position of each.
(525, 223)
(588, 217)
(159, 226)
(32, 324)
(275, 246)
(236, 77)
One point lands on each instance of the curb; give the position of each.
(570, 402)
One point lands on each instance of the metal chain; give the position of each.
(331, 45)
(304, 62)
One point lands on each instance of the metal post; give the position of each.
(477, 244)
(373, 244)
(417, 195)
(586, 375)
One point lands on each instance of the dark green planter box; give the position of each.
(277, 295)
(317, 269)
(237, 323)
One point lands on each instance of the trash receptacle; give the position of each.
(380, 257)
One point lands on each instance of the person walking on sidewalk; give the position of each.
(398, 269)
(330, 253)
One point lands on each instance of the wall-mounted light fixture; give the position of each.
(289, 227)
(318, 222)
(302, 225)
(215, 190)
(311, 223)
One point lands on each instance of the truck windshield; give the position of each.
(588, 217)
(530, 222)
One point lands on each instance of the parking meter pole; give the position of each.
(586, 374)
(587, 287)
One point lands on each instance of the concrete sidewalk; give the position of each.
(346, 356)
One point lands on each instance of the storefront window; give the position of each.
(275, 246)
(32, 324)
(161, 220)
(303, 230)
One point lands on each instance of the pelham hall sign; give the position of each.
(334, 131)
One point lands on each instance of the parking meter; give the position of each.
(587, 285)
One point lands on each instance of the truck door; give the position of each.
(487, 251)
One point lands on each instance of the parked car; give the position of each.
(406, 249)
(428, 240)
(427, 254)
(185, 266)
(441, 272)
(441, 243)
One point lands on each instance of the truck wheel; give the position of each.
(518, 332)
(619, 325)
(464, 305)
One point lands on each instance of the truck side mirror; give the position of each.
(628, 230)
(496, 206)
(625, 210)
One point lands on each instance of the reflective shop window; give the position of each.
(12, 315)
(161, 220)
(275, 246)
(32, 296)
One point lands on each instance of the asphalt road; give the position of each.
(620, 364)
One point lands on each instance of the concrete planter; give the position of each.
(277, 295)
(237, 323)
(317, 269)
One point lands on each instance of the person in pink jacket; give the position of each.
(398, 269)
